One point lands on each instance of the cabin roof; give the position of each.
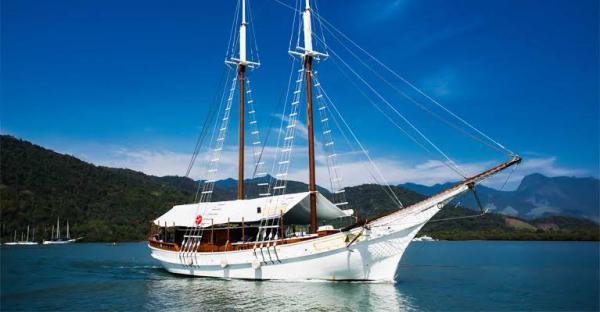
(295, 209)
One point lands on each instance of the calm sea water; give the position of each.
(432, 276)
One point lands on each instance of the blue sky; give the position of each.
(128, 83)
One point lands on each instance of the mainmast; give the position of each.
(241, 75)
(308, 57)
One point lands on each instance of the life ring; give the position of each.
(198, 219)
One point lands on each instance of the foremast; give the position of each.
(242, 63)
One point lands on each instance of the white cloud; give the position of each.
(159, 163)
(353, 169)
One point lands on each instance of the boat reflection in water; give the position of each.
(180, 293)
(433, 276)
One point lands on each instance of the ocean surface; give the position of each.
(449, 276)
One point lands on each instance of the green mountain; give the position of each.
(104, 204)
(38, 185)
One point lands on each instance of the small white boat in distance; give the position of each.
(424, 238)
(60, 240)
(27, 243)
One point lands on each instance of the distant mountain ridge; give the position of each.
(537, 196)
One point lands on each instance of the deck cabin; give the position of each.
(240, 224)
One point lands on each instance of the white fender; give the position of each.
(256, 264)
(224, 263)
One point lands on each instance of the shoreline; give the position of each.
(436, 240)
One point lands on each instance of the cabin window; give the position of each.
(257, 209)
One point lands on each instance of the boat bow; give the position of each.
(440, 199)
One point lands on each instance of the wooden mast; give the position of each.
(240, 188)
(242, 64)
(312, 185)
(242, 77)
(308, 58)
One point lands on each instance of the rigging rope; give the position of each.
(327, 23)
(292, 30)
(383, 112)
(255, 48)
(273, 117)
(204, 128)
(384, 100)
(410, 98)
(389, 118)
(404, 80)
(228, 75)
(231, 43)
(364, 151)
(320, 26)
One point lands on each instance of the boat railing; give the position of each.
(163, 245)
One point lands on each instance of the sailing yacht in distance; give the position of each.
(291, 236)
(26, 241)
(58, 239)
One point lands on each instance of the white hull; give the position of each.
(374, 255)
(59, 242)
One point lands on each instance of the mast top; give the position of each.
(241, 59)
(307, 50)
(243, 12)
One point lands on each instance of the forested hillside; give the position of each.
(38, 185)
(102, 204)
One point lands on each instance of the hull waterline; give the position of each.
(59, 242)
(368, 252)
(364, 254)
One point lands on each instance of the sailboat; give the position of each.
(57, 239)
(26, 241)
(290, 236)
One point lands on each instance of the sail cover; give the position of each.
(295, 209)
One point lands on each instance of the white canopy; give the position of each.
(294, 207)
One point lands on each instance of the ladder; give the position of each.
(269, 231)
(259, 164)
(193, 239)
(193, 236)
(335, 177)
(191, 242)
(286, 146)
(215, 154)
